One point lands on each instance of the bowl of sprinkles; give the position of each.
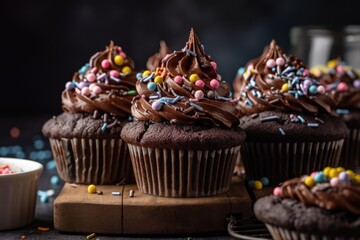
(18, 187)
(321, 205)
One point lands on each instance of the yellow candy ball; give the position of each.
(351, 174)
(119, 60)
(158, 79)
(285, 87)
(126, 70)
(309, 181)
(332, 63)
(146, 73)
(357, 178)
(333, 173)
(258, 185)
(91, 188)
(194, 77)
(246, 74)
(340, 169)
(326, 171)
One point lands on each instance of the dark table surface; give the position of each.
(31, 144)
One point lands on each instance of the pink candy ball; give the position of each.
(280, 61)
(334, 182)
(85, 91)
(178, 80)
(96, 90)
(94, 70)
(214, 83)
(321, 89)
(91, 87)
(105, 63)
(119, 49)
(91, 77)
(342, 87)
(123, 55)
(277, 191)
(218, 77)
(270, 63)
(306, 72)
(213, 64)
(200, 83)
(114, 73)
(199, 94)
(340, 69)
(313, 174)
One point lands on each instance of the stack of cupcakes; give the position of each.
(286, 117)
(342, 82)
(85, 138)
(322, 205)
(185, 140)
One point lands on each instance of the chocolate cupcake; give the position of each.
(85, 138)
(289, 130)
(154, 61)
(185, 140)
(342, 82)
(324, 205)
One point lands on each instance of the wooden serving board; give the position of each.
(77, 211)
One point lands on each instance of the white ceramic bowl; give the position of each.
(18, 193)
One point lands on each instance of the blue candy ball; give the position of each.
(250, 184)
(139, 75)
(151, 86)
(264, 181)
(320, 177)
(54, 180)
(313, 89)
(241, 71)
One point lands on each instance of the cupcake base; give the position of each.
(350, 156)
(183, 173)
(279, 161)
(92, 161)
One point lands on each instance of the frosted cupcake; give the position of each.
(85, 138)
(342, 82)
(289, 130)
(185, 140)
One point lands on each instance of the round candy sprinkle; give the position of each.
(340, 169)
(178, 80)
(200, 83)
(270, 63)
(91, 77)
(351, 174)
(91, 86)
(340, 69)
(158, 79)
(285, 87)
(258, 185)
(321, 89)
(250, 184)
(313, 89)
(326, 171)
(114, 73)
(307, 83)
(342, 87)
(344, 177)
(85, 91)
(214, 83)
(211, 94)
(91, 188)
(194, 77)
(333, 173)
(54, 180)
(309, 181)
(81, 85)
(199, 94)
(264, 181)
(123, 55)
(306, 72)
(119, 60)
(319, 177)
(313, 174)
(138, 75)
(126, 70)
(334, 182)
(357, 178)
(277, 191)
(280, 61)
(213, 64)
(151, 86)
(96, 90)
(156, 105)
(94, 70)
(146, 73)
(105, 64)
(241, 71)
(69, 86)
(356, 83)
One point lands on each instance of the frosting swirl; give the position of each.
(186, 90)
(155, 60)
(341, 81)
(338, 194)
(105, 84)
(275, 81)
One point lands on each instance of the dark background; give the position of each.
(44, 42)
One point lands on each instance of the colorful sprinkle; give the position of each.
(341, 111)
(302, 120)
(270, 118)
(282, 131)
(200, 83)
(313, 125)
(91, 188)
(280, 61)
(265, 181)
(158, 79)
(91, 77)
(285, 87)
(309, 181)
(119, 60)
(258, 185)
(105, 64)
(114, 73)
(194, 77)
(277, 191)
(178, 80)
(199, 94)
(214, 83)
(116, 193)
(126, 70)
(146, 73)
(270, 63)
(213, 64)
(156, 105)
(151, 86)
(91, 236)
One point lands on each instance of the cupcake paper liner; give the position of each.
(92, 161)
(279, 233)
(350, 155)
(281, 161)
(183, 173)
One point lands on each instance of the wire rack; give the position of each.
(247, 229)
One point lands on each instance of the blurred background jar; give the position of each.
(316, 45)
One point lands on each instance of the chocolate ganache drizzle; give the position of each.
(105, 85)
(276, 81)
(342, 82)
(186, 89)
(338, 194)
(155, 60)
